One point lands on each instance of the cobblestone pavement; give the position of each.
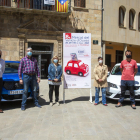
(78, 119)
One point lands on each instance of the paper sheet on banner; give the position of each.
(77, 60)
(49, 2)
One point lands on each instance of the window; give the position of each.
(11, 68)
(80, 63)
(119, 56)
(79, 3)
(108, 60)
(79, 31)
(121, 16)
(75, 65)
(139, 22)
(70, 64)
(5, 2)
(131, 19)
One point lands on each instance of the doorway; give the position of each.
(43, 54)
(119, 56)
(43, 61)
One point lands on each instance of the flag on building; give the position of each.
(62, 5)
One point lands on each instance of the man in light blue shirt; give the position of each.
(2, 69)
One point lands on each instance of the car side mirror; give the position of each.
(108, 73)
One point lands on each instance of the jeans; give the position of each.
(130, 85)
(103, 95)
(1, 85)
(37, 4)
(51, 88)
(29, 80)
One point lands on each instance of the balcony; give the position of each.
(31, 5)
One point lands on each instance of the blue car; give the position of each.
(12, 90)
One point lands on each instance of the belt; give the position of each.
(30, 74)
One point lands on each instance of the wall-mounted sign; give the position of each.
(49, 2)
(95, 42)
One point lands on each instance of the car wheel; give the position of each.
(80, 74)
(68, 72)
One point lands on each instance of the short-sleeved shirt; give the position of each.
(128, 69)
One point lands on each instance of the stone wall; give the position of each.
(17, 27)
(10, 48)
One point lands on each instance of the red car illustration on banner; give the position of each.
(77, 67)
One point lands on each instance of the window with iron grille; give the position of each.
(5, 3)
(121, 16)
(79, 3)
(131, 19)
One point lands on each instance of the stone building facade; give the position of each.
(43, 30)
(121, 22)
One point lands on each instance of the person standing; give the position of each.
(2, 69)
(29, 67)
(54, 79)
(129, 69)
(100, 81)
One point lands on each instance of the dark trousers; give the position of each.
(51, 88)
(1, 84)
(130, 85)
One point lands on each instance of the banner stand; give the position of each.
(63, 92)
(90, 97)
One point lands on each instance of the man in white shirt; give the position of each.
(2, 69)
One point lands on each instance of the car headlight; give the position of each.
(112, 85)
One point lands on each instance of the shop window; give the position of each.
(108, 60)
(79, 3)
(121, 16)
(139, 22)
(131, 19)
(79, 31)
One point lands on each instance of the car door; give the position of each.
(75, 68)
(70, 65)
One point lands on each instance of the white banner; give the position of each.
(49, 2)
(77, 60)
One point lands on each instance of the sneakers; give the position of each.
(95, 104)
(118, 105)
(105, 104)
(1, 111)
(22, 108)
(133, 106)
(57, 103)
(51, 104)
(37, 105)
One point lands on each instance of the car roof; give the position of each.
(120, 64)
(72, 61)
(12, 61)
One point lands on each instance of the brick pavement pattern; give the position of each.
(78, 119)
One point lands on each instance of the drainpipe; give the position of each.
(102, 31)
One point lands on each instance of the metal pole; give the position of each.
(102, 31)
(90, 96)
(63, 92)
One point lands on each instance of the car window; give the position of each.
(75, 65)
(116, 71)
(80, 63)
(70, 64)
(11, 67)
